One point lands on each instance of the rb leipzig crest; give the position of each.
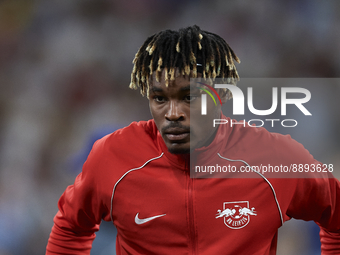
(236, 214)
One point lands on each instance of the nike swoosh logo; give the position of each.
(139, 221)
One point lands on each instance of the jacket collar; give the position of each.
(182, 161)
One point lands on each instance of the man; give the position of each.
(139, 177)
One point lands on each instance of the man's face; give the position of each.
(170, 107)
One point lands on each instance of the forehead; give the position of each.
(181, 82)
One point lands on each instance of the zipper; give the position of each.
(191, 216)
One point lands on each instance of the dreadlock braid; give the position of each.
(189, 49)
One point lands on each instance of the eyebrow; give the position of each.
(155, 89)
(186, 88)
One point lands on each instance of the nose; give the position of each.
(174, 112)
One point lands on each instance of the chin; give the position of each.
(178, 150)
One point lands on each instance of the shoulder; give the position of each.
(123, 149)
(129, 139)
(241, 133)
(259, 142)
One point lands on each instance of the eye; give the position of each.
(159, 99)
(190, 98)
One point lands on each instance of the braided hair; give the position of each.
(189, 49)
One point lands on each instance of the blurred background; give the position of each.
(64, 75)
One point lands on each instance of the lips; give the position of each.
(176, 134)
(177, 137)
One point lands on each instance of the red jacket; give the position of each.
(131, 179)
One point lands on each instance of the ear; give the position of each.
(223, 95)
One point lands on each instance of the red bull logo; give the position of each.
(236, 214)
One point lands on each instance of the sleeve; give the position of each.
(318, 199)
(330, 221)
(81, 208)
(311, 195)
